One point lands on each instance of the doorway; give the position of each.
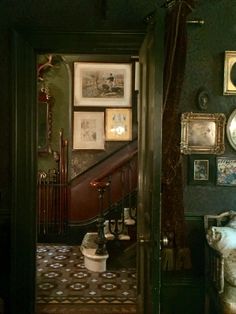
(26, 45)
(61, 273)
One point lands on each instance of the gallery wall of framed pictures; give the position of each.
(212, 170)
(203, 137)
(105, 90)
(203, 141)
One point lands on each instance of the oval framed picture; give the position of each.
(231, 129)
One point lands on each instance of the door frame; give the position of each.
(26, 44)
(151, 59)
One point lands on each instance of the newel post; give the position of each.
(101, 239)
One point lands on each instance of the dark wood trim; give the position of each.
(23, 189)
(149, 184)
(26, 44)
(99, 42)
(4, 215)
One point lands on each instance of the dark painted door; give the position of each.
(149, 185)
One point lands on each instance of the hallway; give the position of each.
(64, 284)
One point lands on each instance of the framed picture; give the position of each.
(119, 124)
(231, 129)
(230, 73)
(226, 171)
(202, 133)
(102, 84)
(201, 169)
(88, 130)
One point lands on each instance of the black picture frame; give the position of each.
(201, 169)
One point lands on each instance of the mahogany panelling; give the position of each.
(84, 199)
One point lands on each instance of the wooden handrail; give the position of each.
(83, 187)
(108, 172)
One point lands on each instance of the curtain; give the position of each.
(173, 223)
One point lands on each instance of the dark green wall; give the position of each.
(56, 77)
(204, 68)
(59, 80)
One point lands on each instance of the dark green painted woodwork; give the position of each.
(149, 184)
(184, 291)
(24, 154)
(184, 298)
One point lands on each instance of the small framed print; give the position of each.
(119, 124)
(230, 73)
(88, 130)
(201, 169)
(202, 133)
(102, 84)
(226, 171)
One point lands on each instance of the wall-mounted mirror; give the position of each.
(44, 121)
(231, 129)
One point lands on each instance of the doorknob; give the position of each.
(164, 241)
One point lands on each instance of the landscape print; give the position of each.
(102, 84)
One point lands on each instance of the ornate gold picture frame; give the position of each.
(230, 73)
(202, 133)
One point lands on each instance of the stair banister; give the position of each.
(103, 181)
(101, 239)
(109, 171)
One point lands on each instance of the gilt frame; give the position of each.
(229, 69)
(202, 133)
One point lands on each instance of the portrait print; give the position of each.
(201, 170)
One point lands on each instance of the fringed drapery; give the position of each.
(172, 185)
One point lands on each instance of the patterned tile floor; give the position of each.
(85, 309)
(63, 279)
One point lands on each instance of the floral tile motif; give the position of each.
(63, 278)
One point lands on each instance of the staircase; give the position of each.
(113, 224)
(114, 229)
(81, 208)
